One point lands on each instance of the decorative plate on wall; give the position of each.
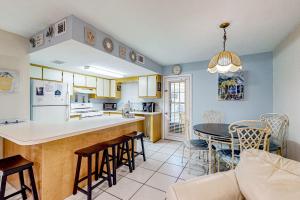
(176, 69)
(89, 36)
(122, 52)
(132, 56)
(108, 45)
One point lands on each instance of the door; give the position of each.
(177, 106)
(112, 88)
(143, 86)
(100, 87)
(152, 86)
(106, 88)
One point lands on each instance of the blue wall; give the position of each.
(258, 91)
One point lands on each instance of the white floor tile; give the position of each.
(104, 185)
(180, 180)
(160, 156)
(167, 150)
(123, 170)
(170, 169)
(153, 148)
(151, 164)
(161, 181)
(190, 173)
(149, 193)
(140, 174)
(124, 189)
(177, 160)
(106, 196)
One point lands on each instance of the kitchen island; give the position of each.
(51, 147)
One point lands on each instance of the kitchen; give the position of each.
(81, 90)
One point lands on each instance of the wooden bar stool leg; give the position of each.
(33, 186)
(128, 156)
(89, 178)
(118, 155)
(22, 183)
(143, 149)
(132, 154)
(96, 166)
(108, 168)
(114, 165)
(75, 187)
(3, 186)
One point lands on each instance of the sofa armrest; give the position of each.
(221, 186)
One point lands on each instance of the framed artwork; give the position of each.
(108, 45)
(122, 52)
(231, 86)
(8, 81)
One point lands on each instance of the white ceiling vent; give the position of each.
(60, 27)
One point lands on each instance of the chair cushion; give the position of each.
(219, 186)
(273, 146)
(226, 155)
(197, 144)
(262, 176)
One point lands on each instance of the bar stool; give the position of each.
(13, 165)
(136, 136)
(121, 143)
(88, 152)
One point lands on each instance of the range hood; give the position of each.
(84, 90)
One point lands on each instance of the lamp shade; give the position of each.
(223, 62)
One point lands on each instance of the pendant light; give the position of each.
(224, 61)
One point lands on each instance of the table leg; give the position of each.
(209, 154)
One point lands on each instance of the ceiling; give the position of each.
(76, 55)
(167, 31)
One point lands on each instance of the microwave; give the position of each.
(149, 107)
(109, 106)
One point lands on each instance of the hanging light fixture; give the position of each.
(224, 61)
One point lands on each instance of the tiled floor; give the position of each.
(151, 179)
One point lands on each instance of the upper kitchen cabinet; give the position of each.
(79, 80)
(150, 86)
(52, 74)
(36, 72)
(91, 81)
(100, 87)
(106, 88)
(68, 77)
(113, 88)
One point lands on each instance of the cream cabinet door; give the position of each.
(143, 86)
(112, 88)
(68, 78)
(106, 87)
(79, 80)
(91, 81)
(52, 74)
(36, 72)
(100, 87)
(152, 86)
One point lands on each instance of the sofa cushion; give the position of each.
(220, 186)
(265, 176)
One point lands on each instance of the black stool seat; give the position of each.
(89, 152)
(136, 136)
(17, 164)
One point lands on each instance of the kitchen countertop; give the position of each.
(31, 133)
(134, 112)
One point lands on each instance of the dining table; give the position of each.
(213, 133)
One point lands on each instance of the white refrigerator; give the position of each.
(50, 101)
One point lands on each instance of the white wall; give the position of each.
(13, 56)
(286, 82)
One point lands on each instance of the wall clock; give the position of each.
(108, 45)
(132, 56)
(89, 35)
(176, 69)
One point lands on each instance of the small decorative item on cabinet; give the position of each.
(89, 35)
(122, 52)
(132, 56)
(108, 45)
(140, 59)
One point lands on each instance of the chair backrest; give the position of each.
(278, 124)
(252, 134)
(185, 126)
(212, 116)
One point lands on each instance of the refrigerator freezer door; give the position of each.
(49, 93)
(50, 113)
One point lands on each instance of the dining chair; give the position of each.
(192, 144)
(245, 134)
(213, 116)
(278, 124)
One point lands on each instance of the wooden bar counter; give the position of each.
(51, 147)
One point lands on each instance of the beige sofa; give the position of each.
(258, 176)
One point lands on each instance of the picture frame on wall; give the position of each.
(89, 35)
(8, 81)
(231, 86)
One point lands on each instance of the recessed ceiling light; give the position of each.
(105, 72)
(58, 62)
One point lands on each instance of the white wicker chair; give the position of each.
(252, 134)
(278, 124)
(212, 116)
